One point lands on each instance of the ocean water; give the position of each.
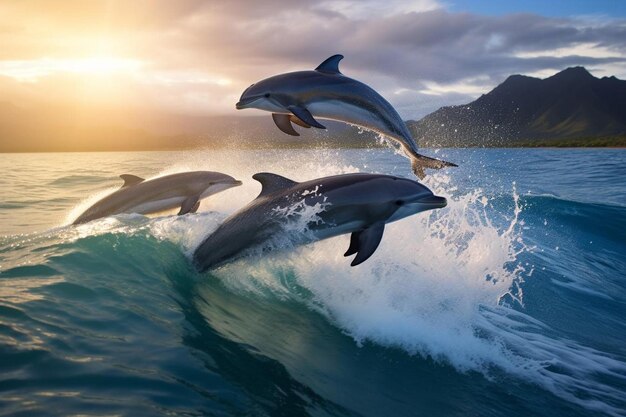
(511, 301)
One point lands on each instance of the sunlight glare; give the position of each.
(32, 70)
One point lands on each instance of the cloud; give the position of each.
(197, 56)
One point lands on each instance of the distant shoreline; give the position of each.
(128, 141)
(223, 148)
(339, 142)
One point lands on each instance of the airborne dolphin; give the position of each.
(360, 204)
(299, 97)
(184, 190)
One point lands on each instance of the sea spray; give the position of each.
(111, 315)
(447, 285)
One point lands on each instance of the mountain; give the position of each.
(570, 104)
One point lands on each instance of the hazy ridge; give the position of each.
(571, 108)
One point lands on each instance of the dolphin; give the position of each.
(304, 96)
(360, 204)
(184, 190)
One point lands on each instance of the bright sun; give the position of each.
(32, 70)
(100, 65)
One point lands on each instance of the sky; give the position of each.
(196, 57)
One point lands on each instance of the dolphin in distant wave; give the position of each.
(360, 204)
(301, 97)
(184, 190)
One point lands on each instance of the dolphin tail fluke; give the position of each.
(419, 163)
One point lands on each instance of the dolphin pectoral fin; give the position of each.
(297, 121)
(130, 180)
(283, 122)
(303, 114)
(354, 244)
(368, 241)
(331, 65)
(190, 205)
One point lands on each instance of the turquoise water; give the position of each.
(509, 302)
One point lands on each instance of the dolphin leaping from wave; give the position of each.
(184, 190)
(360, 204)
(303, 96)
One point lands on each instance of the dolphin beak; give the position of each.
(243, 102)
(434, 201)
(237, 183)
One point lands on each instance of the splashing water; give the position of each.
(447, 285)
(450, 285)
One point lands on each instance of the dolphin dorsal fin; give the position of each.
(130, 180)
(331, 65)
(272, 182)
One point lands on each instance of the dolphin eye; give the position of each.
(399, 202)
(267, 95)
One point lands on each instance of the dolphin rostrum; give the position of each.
(303, 96)
(359, 203)
(184, 190)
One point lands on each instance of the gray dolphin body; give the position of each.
(299, 97)
(184, 190)
(360, 204)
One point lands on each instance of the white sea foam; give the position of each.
(446, 285)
